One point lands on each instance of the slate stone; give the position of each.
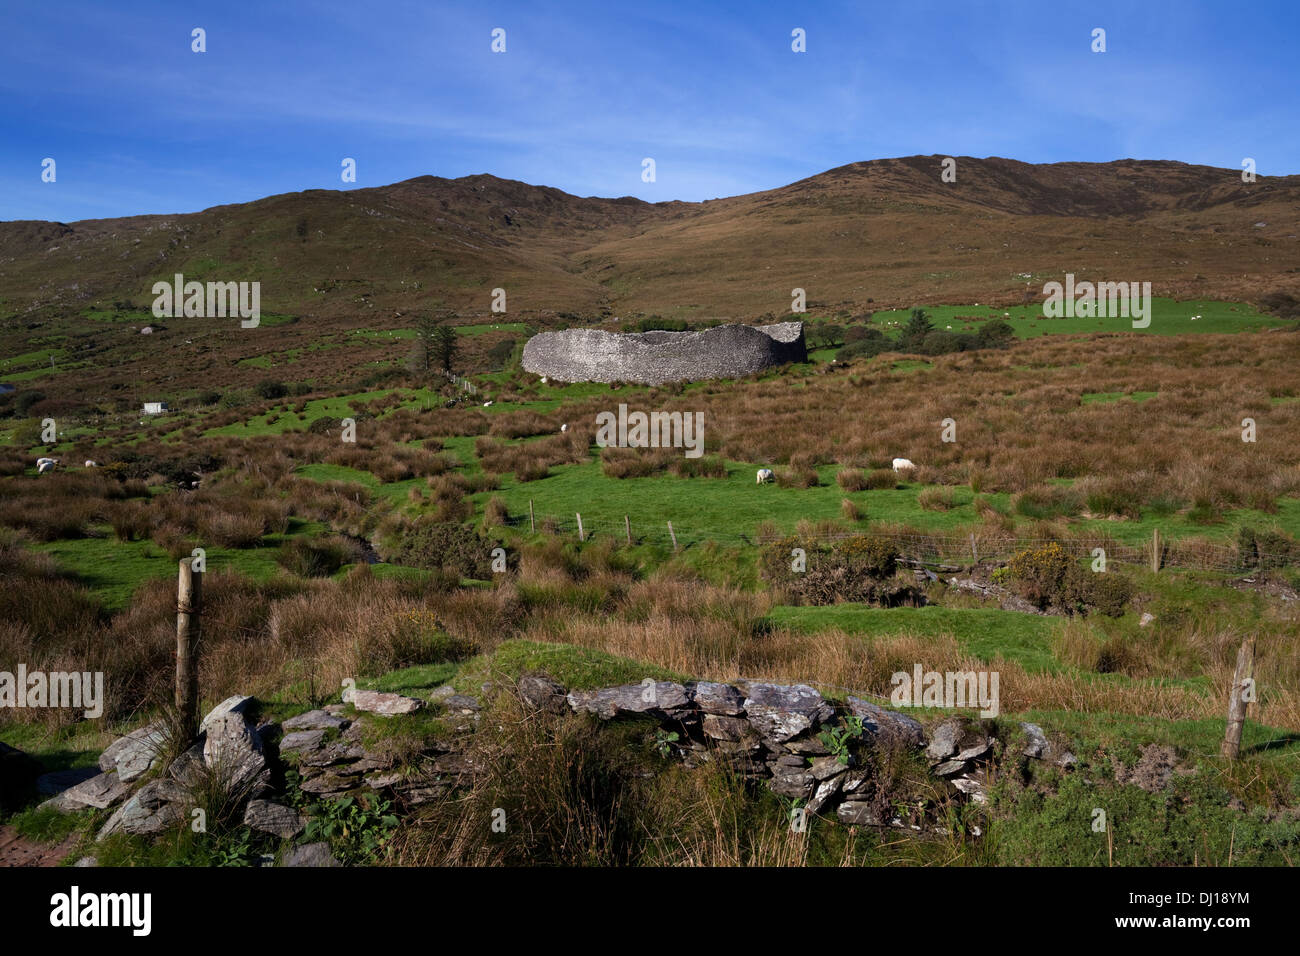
(331, 754)
(315, 720)
(825, 792)
(274, 818)
(312, 854)
(944, 740)
(541, 693)
(57, 781)
(878, 722)
(155, 807)
(971, 787)
(949, 767)
(382, 703)
(189, 769)
(234, 751)
(780, 711)
(302, 740)
(99, 792)
(790, 760)
(327, 783)
(810, 746)
(462, 703)
(720, 699)
(135, 754)
(974, 751)
(823, 768)
(238, 704)
(792, 783)
(854, 780)
(734, 729)
(856, 813)
(629, 699)
(1036, 745)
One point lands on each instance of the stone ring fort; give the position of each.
(653, 358)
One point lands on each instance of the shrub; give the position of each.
(1107, 593)
(270, 389)
(429, 543)
(315, 557)
(851, 479)
(796, 478)
(1039, 574)
(709, 466)
(532, 471)
(495, 512)
(1048, 501)
(23, 402)
(633, 462)
(875, 557)
(937, 499)
(1266, 549)
(858, 569)
(882, 478)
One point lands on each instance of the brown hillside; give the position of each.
(869, 235)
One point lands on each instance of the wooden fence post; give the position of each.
(1155, 551)
(672, 535)
(974, 555)
(1236, 700)
(627, 524)
(532, 520)
(189, 609)
(581, 536)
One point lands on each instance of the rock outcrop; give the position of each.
(653, 358)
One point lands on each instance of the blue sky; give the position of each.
(138, 123)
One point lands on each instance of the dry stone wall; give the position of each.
(786, 736)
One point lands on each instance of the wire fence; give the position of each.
(936, 551)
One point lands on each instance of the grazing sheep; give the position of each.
(45, 464)
(91, 464)
(765, 475)
(487, 404)
(564, 428)
(902, 464)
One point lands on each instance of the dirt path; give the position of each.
(17, 850)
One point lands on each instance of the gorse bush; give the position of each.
(1049, 578)
(429, 543)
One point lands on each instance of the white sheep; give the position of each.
(45, 464)
(564, 427)
(765, 475)
(487, 404)
(902, 464)
(91, 464)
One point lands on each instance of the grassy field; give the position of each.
(1168, 317)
